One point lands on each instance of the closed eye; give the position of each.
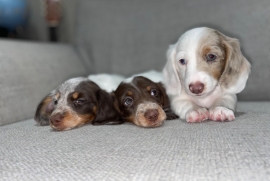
(79, 102)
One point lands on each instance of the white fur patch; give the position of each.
(75, 80)
(198, 115)
(110, 82)
(153, 75)
(221, 114)
(107, 82)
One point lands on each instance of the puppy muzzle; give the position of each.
(149, 114)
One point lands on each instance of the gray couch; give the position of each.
(128, 37)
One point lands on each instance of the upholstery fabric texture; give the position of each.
(237, 150)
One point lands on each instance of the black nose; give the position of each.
(196, 88)
(151, 115)
(56, 119)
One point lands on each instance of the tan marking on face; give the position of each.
(211, 44)
(72, 120)
(75, 95)
(57, 95)
(131, 119)
(95, 109)
(140, 119)
(129, 93)
(148, 88)
(86, 118)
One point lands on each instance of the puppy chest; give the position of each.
(209, 100)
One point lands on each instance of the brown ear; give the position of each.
(236, 65)
(106, 111)
(166, 103)
(165, 98)
(115, 103)
(44, 110)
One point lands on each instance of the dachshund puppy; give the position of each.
(204, 71)
(142, 102)
(74, 103)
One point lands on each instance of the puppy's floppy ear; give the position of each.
(166, 103)
(106, 111)
(237, 68)
(44, 110)
(165, 98)
(171, 77)
(115, 103)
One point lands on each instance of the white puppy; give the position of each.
(204, 71)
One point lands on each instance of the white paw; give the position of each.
(221, 114)
(198, 115)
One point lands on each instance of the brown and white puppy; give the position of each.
(74, 103)
(142, 102)
(205, 70)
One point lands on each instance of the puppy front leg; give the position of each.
(186, 109)
(223, 108)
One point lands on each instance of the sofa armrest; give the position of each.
(29, 71)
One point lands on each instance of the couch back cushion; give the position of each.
(29, 71)
(127, 37)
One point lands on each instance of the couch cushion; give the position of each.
(129, 37)
(29, 71)
(263, 106)
(237, 150)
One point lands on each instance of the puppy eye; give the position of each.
(154, 92)
(79, 102)
(55, 102)
(211, 57)
(128, 101)
(183, 61)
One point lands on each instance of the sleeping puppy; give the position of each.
(204, 71)
(142, 102)
(74, 103)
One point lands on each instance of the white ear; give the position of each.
(171, 79)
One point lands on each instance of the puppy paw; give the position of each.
(196, 116)
(221, 114)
